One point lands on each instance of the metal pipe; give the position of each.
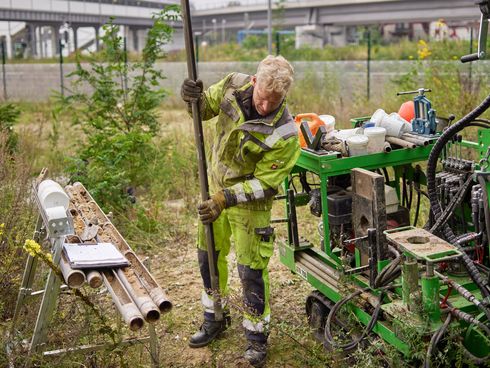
(320, 265)
(156, 292)
(319, 271)
(129, 311)
(419, 141)
(318, 275)
(201, 160)
(138, 293)
(400, 142)
(73, 278)
(94, 279)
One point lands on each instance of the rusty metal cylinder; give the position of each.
(129, 311)
(156, 292)
(73, 278)
(94, 279)
(139, 295)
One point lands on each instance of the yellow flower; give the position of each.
(32, 247)
(410, 57)
(2, 226)
(423, 51)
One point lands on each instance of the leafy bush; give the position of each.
(9, 114)
(17, 218)
(118, 114)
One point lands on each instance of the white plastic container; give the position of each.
(378, 116)
(395, 125)
(329, 122)
(376, 137)
(358, 145)
(346, 133)
(51, 194)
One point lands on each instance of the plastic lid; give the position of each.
(329, 120)
(378, 116)
(375, 131)
(357, 140)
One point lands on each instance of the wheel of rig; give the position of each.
(317, 309)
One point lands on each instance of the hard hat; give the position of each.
(407, 111)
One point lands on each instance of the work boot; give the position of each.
(208, 331)
(256, 353)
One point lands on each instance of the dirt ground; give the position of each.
(290, 342)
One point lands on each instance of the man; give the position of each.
(254, 146)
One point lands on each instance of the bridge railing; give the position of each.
(199, 5)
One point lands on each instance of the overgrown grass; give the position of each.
(162, 225)
(257, 49)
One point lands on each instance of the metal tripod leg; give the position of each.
(27, 279)
(48, 304)
(155, 360)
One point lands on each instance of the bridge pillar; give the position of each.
(97, 43)
(31, 40)
(75, 37)
(134, 39)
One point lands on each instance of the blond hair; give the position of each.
(275, 74)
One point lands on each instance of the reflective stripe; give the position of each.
(207, 302)
(239, 192)
(260, 326)
(257, 188)
(282, 132)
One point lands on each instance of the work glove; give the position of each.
(191, 90)
(210, 210)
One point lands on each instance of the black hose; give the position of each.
(352, 344)
(417, 209)
(458, 197)
(435, 339)
(486, 210)
(432, 191)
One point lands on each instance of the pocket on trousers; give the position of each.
(267, 248)
(266, 244)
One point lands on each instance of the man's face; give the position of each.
(264, 101)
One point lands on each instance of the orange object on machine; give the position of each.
(314, 123)
(407, 111)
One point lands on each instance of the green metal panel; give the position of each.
(430, 297)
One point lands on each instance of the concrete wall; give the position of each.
(37, 82)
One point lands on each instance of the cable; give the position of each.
(431, 184)
(458, 197)
(435, 339)
(352, 344)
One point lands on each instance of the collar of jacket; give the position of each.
(244, 97)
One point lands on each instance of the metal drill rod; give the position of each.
(201, 159)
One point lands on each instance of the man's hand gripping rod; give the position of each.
(201, 157)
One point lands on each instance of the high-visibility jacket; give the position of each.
(249, 159)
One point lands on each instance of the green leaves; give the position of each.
(115, 103)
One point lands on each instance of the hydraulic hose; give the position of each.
(431, 185)
(435, 339)
(372, 322)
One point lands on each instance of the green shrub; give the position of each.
(118, 115)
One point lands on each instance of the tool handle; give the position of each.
(470, 57)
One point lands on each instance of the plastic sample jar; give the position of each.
(358, 145)
(376, 137)
(51, 194)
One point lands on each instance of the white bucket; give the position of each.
(376, 137)
(395, 125)
(346, 133)
(358, 145)
(51, 194)
(378, 116)
(329, 121)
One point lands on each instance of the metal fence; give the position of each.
(199, 5)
